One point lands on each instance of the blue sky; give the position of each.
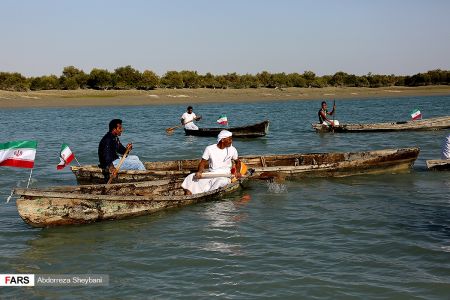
(401, 37)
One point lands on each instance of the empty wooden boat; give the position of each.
(290, 165)
(335, 164)
(437, 123)
(438, 164)
(249, 131)
(67, 205)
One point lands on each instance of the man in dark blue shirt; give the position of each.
(109, 148)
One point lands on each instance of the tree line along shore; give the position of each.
(128, 78)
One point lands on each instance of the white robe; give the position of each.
(202, 185)
(220, 161)
(336, 123)
(188, 117)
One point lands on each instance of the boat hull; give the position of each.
(438, 123)
(438, 164)
(264, 166)
(250, 131)
(387, 161)
(48, 208)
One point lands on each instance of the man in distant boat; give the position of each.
(219, 159)
(323, 112)
(109, 149)
(188, 118)
(445, 152)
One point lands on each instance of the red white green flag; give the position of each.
(416, 114)
(222, 120)
(65, 156)
(18, 154)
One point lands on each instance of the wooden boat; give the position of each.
(438, 164)
(92, 174)
(249, 131)
(92, 203)
(425, 124)
(265, 166)
(336, 164)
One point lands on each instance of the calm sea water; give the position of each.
(371, 236)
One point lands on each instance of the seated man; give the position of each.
(188, 118)
(220, 158)
(323, 112)
(109, 149)
(445, 153)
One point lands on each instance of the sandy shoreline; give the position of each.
(80, 98)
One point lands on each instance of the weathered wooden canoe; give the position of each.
(336, 164)
(289, 165)
(249, 131)
(92, 174)
(92, 203)
(425, 124)
(438, 164)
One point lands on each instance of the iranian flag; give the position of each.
(222, 120)
(65, 157)
(416, 114)
(19, 154)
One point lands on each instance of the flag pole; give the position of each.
(76, 160)
(29, 179)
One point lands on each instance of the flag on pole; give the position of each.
(65, 156)
(18, 154)
(222, 120)
(416, 114)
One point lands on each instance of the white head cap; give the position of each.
(223, 134)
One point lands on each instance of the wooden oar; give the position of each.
(244, 172)
(171, 129)
(114, 174)
(216, 175)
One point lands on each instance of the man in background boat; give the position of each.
(219, 158)
(445, 152)
(109, 149)
(323, 112)
(188, 118)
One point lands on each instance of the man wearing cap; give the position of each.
(219, 158)
(188, 118)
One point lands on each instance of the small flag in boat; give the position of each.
(222, 120)
(416, 114)
(18, 154)
(66, 156)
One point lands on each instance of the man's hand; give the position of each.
(130, 146)
(198, 175)
(112, 171)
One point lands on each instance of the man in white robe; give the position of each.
(219, 158)
(188, 118)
